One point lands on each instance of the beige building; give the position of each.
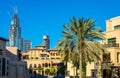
(111, 60)
(71, 71)
(40, 56)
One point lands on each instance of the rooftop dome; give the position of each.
(45, 37)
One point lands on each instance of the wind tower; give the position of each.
(15, 39)
(46, 41)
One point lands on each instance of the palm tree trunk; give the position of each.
(76, 72)
(80, 66)
(66, 73)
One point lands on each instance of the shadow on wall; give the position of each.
(14, 57)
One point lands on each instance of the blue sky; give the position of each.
(40, 17)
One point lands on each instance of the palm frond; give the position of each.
(81, 38)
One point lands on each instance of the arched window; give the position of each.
(43, 65)
(53, 54)
(49, 64)
(35, 65)
(31, 57)
(39, 64)
(30, 67)
(118, 57)
(56, 54)
(46, 65)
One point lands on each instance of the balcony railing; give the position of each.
(108, 61)
(111, 45)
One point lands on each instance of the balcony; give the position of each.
(104, 62)
(111, 45)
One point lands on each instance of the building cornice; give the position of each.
(4, 39)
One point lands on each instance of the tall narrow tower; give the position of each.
(46, 41)
(15, 39)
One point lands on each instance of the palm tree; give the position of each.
(61, 69)
(65, 49)
(75, 61)
(83, 37)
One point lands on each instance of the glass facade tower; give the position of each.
(15, 39)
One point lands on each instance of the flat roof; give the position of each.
(114, 18)
(53, 50)
(3, 39)
(40, 46)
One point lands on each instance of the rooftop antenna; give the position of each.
(8, 12)
(9, 15)
(11, 6)
(15, 9)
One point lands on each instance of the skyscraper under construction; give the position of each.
(15, 39)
